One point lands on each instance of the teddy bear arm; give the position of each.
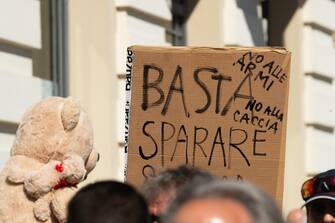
(17, 175)
(20, 168)
(43, 180)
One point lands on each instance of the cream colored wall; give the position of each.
(295, 172)
(93, 78)
(204, 29)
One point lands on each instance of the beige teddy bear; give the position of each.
(52, 153)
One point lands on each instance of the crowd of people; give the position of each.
(190, 195)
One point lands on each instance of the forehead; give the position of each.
(213, 210)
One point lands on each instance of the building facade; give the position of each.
(78, 48)
(32, 60)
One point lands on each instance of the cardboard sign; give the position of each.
(223, 110)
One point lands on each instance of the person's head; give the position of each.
(319, 196)
(222, 201)
(108, 201)
(297, 216)
(161, 189)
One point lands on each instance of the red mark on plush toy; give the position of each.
(59, 168)
(62, 183)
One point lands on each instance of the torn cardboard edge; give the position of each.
(180, 49)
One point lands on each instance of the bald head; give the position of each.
(213, 210)
(222, 202)
(297, 216)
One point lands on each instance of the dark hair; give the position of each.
(173, 180)
(108, 201)
(261, 207)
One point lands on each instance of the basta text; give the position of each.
(269, 74)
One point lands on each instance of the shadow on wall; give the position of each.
(278, 13)
(254, 22)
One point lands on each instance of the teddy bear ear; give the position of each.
(70, 113)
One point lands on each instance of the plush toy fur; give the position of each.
(52, 152)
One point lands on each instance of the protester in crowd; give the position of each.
(108, 201)
(222, 201)
(161, 189)
(319, 196)
(297, 216)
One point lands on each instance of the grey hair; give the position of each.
(173, 180)
(261, 207)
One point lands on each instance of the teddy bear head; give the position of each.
(54, 128)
